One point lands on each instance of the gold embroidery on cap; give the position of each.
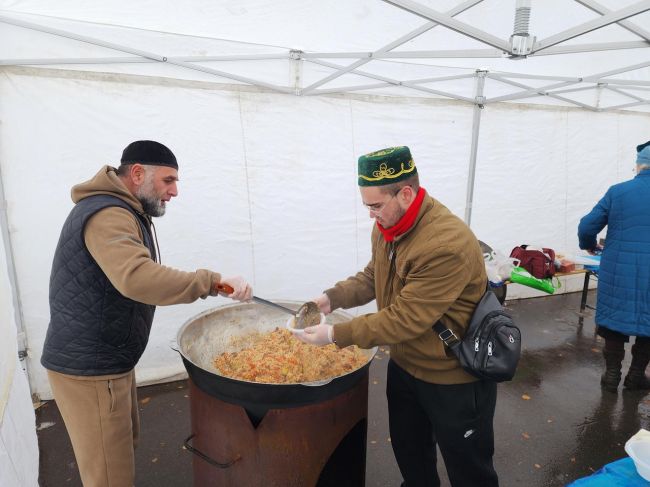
(389, 173)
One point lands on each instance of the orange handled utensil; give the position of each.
(308, 314)
(225, 288)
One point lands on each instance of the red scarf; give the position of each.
(407, 220)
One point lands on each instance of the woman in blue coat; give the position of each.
(623, 308)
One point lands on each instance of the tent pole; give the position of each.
(13, 281)
(476, 125)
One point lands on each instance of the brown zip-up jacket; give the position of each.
(435, 271)
(114, 239)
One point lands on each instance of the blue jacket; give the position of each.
(624, 275)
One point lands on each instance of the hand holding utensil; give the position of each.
(307, 315)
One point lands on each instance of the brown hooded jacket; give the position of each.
(114, 239)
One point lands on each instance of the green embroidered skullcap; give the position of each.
(386, 166)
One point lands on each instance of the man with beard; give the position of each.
(105, 283)
(426, 266)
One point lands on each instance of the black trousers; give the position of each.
(458, 418)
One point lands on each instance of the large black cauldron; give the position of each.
(211, 333)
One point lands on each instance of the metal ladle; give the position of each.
(307, 315)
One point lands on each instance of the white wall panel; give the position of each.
(268, 181)
(438, 135)
(18, 443)
(302, 192)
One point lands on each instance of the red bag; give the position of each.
(540, 263)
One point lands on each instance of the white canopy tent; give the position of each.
(519, 114)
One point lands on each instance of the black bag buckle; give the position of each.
(449, 337)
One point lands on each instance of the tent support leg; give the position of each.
(476, 125)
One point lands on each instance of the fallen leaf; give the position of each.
(154, 460)
(525, 397)
(145, 400)
(525, 435)
(595, 350)
(549, 420)
(537, 465)
(573, 459)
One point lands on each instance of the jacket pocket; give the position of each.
(111, 395)
(117, 324)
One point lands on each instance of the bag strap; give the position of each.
(447, 336)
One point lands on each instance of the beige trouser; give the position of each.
(101, 416)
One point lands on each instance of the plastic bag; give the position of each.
(522, 276)
(498, 267)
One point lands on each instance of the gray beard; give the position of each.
(151, 206)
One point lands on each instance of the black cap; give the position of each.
(150, 153)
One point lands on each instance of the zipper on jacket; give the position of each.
(392, 257)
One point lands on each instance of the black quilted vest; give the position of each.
(94, 330)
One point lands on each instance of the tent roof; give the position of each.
(585, 53)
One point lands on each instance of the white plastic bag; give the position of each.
(498, 266)
(638, 448)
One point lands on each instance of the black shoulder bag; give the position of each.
(491, 346)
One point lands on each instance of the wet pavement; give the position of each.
(553, 423)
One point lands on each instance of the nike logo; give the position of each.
(468, 433)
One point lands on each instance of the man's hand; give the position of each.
(316, 335)
(323, 302)
(597, 250)
(241, 289)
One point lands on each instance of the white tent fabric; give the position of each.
(267, 107)
(581, 53)
(18, 446)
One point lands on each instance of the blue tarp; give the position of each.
(621, 473)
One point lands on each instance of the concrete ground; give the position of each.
(553, 423)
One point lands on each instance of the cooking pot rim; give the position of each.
(371, 352)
